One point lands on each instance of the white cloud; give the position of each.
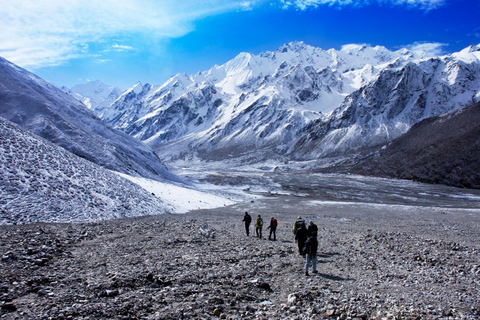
(100, 61)
(119, 47)
(476, 33)
(36, 33)
(434, 48)
(421, 4)
(418, 4)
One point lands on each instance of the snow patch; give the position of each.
(180, 199)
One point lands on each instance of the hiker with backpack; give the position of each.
(273, 229)
(312, 229)
(258, 226)
(301, 234)
(247, 219)
(310, 251)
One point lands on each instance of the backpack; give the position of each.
(274, 223)
(300, 226)
(300, 230)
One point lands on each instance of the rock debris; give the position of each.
(201, 265)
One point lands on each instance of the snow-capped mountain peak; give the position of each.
(95, 94)
(471, 48)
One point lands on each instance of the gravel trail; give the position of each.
(375, 262)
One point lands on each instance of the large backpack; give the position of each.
(300, 227)
(300, 224)
(274, 223)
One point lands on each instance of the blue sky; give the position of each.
(124, 41)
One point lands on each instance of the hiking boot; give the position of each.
(306, 274)
(315, 271)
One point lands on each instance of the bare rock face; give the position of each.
(442, 149)
(372, 264)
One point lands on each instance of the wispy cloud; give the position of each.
(119, 47)
(36, 33)
(417, 4)
(434, 48)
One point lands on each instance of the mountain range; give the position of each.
(95, 94)
(296, 103)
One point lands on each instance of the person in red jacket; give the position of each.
(273, 229)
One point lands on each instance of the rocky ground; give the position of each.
(375, 262)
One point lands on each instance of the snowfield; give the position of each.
(181, 199)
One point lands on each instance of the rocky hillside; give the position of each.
(443, 149)
(373, 263)
(41, 182)
(42, 108)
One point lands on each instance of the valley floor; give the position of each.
(375, 261)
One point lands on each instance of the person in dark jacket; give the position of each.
(312, 229)
(247, 219)
(310, 250)
(300, 232)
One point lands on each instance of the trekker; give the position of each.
(312, 229)
(310, 250)
(273, 229)
(247, 219)
(300, 232)
(258, 226)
